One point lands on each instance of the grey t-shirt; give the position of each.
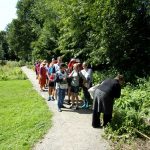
(75, 78)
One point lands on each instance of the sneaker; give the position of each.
(59, 109)
(83, 106)
(49, 98)
(52, 98)
(68, 102)
(71, 106)
(87, 105)
(63, 106)
(76, 107)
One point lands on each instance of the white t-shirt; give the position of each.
(88, 76)
(57, 67)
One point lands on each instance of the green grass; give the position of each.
(24, 115)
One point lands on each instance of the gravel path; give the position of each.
(71, 129)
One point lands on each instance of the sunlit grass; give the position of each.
(24, 115)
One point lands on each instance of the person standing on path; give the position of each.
(87, 73)
(74, 75)
(51, 83)
(42, 76)
(69, 70)
(57, 65)
(61, 79)
(57, 69)
(104, 97)
(37, 69)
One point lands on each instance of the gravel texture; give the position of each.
(71, 129)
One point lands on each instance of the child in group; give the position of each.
(61, 85)
(51, 84)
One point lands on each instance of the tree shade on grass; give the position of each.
(24, 115)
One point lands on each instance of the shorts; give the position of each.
(51, 84)
(69, 81)
(74, 89)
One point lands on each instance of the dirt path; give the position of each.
(71, 129)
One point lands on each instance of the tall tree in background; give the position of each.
(20, 33)
(4, 49)
(45, 27)
(127, 36)
(114, 33)
(74, 28)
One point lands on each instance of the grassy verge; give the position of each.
(24, 116)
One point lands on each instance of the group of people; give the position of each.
(69, 78)
(64, 78)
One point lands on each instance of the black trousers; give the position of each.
(86, 94)
(107, 118)
(96, 116)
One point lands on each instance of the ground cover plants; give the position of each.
(11, 71)
(24, 114)
(131, 116)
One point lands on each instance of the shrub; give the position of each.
(99, 76)
(3, 62)
(11, 73)
(131, 112)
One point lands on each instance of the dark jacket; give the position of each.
(111, 87)
(105, 94)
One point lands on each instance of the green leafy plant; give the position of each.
(11, 71)
(131, 112)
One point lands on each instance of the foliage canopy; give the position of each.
(114, 33)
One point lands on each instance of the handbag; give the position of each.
(92, 90)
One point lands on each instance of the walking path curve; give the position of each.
(71, 129)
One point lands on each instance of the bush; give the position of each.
(99, 76)
(3, 62)
(12, 64)
(11, 73)
(131, 112)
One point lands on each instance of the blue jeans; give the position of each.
(61, 97)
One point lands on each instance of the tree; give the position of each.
(19, 31)
(45, 21)
(127, 34)
(109, 33)
(4, 54)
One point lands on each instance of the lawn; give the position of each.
(24, 115)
